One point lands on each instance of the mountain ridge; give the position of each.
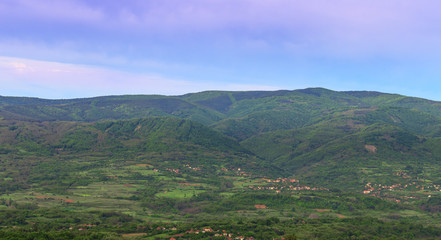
(273, 161)
(290, 130)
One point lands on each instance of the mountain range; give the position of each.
(314, 133)
(354, 142)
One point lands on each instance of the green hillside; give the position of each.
(103, 108)
(262, 164)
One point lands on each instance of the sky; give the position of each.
(83, 48)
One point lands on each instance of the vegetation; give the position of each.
(304, 164)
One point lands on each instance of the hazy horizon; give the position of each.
(76, 48)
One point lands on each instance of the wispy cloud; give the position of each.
(338, 27)
(63, 11)
(288, 43)
(60, 80)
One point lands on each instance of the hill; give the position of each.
(240, 160)
(238, 114)
(313, 133)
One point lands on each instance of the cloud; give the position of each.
(60, 80)
(336, 28)
(64, 11)
(282, 42)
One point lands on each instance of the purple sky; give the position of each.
(83, 48)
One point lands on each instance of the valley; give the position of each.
(305, 164)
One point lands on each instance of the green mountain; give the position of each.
(171, 138)
(294, 131)
(256, 111)
(240, 160)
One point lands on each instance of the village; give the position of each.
(291, 185)
(245, 181)
(411, 185)
(209, 232)
(277, 185)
